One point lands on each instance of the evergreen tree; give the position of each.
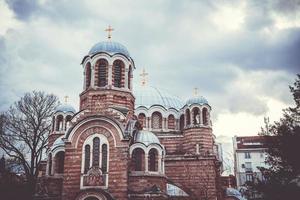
(282, 178)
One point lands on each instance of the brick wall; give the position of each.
(195, 175)
(118, 160)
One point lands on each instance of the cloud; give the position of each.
(240, 54)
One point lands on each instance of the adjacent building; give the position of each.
(249, 154)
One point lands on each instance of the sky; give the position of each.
(241, 55)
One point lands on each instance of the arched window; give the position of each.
(188, 116)
(129, 77)
(181, 122)
(196, 115)
(171, 122)
(96, 151)
(59, 162)
(156, 120)
(87, 153)
(88, 75)
(50, 164)
(68, 121)
(153, 160)
(204, 116)
(138, 159)
(104, 158)
(95, 154)
(142, 119)
(118, 67)
(102, 66)
(59, 123)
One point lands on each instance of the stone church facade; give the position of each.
(129, 143)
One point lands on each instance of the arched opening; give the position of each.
(171, 122)
(188, 116)
(59, 162)
(156, 120)
(91, 198)
(153, 160)
(50, 164)
(181, 122)
(118, 68)
(87, 158)
(88, 75)
(68, 121)
(104, 158)
(196, 115)
(96, 151)
(138, 160)
(142, 119)
(59, 123)
(204, 116)
(129, 77)
(102, 72)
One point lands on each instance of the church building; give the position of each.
(129, 142)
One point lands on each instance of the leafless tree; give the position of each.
(24, 130)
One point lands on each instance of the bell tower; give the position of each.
(108, 72)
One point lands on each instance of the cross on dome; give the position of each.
(144, 77)
(66, 98)
(109, 30)
(196, 92)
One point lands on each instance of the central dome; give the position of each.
(149, 96)
(109, 47)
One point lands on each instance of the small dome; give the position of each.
(197, 100)
(65, 108)
(149, 96)
(109, 47)
(58, 142)
(146, 137)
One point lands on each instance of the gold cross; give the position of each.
(196, 91)
(109, 30)
(66, 98)
(144, 75)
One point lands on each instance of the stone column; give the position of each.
(126, 78)
(54, 123)
(201, 120)
(146, 162)
(159, 164)
(109, 75)
(53, 165)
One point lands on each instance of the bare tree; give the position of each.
(24, 130)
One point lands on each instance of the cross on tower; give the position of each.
(109, 30)
(196, 91)
(66, 98)
(144, 75)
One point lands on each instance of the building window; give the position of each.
(96, 151)
(59, 162)
(171, 122)
(181, 122)
(249, 177)
(104, 158)
(129, 76)
(142, 119)
(247, 155)
(204, 116)
(153, 160)
(138, 158)
(248, 167)
(88, 74)
(95, 154)
(156, 120)
(59, 123)
(188, 117)
(87, 151)
(102, 72)
(118, 65)
(50, 164)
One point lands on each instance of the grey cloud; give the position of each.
(23, 8)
